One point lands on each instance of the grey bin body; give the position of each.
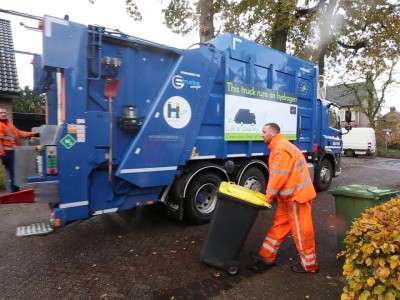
(233, 218)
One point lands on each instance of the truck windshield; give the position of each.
(333, 117)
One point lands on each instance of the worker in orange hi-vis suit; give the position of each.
(10, 136)
(290, 183)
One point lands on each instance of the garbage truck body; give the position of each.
(131, 122)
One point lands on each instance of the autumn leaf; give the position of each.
(371, 281)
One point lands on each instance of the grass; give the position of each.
(2, 178)
(382, 152)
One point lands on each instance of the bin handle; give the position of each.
(377, 194)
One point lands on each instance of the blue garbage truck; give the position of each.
(130, 122)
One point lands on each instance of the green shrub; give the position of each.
(372, 255)
(394, 146)
(2, 178)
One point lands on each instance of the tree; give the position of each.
(369, 96)
(357, 37)
(29, 103)
(332, 33)
(131, 9)
(324, 31)
(183, 16)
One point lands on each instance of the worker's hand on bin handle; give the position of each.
(268, 199)
(37, 134)
(5, 161)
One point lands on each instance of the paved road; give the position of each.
(146, 255)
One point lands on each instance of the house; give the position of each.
(392, 118)
(9, 86)
(389, 126)
(344, 96)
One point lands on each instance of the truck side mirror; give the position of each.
(347, 127)
(347, 116)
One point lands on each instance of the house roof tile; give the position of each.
(8, 69)
(344, 95)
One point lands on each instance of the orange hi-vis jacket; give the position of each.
(10, 136)
(289, 178)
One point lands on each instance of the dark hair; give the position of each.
(274, 126)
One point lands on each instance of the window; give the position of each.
(333, 117)
(342, 114)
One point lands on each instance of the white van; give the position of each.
(359, 141)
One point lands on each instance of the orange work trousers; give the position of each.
(296, 218)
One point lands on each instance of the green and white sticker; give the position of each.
(68, 141)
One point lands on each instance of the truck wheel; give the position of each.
(349, 152)
(201, 198)
(254, 179)
(323, 176)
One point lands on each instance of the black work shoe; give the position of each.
(260, 264)
(299, 269)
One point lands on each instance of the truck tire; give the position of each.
(254, 179)
(323, 176)
(201, 198)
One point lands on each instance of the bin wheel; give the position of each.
(232, 267)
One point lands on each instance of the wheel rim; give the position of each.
(253, 184)
(206, 198)
(325, 175)
(233, 270)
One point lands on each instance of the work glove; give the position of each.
(37, 134)
(5, 161)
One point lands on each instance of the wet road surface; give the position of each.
(146, 255)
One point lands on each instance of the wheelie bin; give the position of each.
(236, 210)
(352, 200)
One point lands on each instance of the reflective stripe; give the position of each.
(272, 241)
(74, 204)
(276, 171)
(289, 177)
(309, 263)
(269, 248)
(286, 192)
(296, 221)
(297, 187)
(145, 170)
(105, 211)
(309, 256)
(272, 192)
(299, 164)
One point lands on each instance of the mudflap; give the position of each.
(34, 229)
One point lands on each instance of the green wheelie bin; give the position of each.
(352, 200)
(236, 210)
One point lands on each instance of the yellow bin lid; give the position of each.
(243, 193)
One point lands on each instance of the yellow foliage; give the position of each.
(371, 281)
(396, 283)
(368, 261)
(365, 295)
(379, 289)
(372, 257)
(383, 273)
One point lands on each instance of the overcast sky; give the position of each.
(108, 13)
